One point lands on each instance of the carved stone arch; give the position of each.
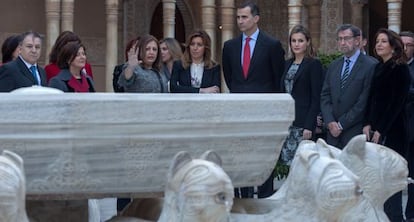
(188, 15)
(184, 19)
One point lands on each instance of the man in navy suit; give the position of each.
(346, 87)
(24, 71)
(261, 73)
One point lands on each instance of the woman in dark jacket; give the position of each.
(385, 119)
(72, 78)
(196, 72)
(303, 78)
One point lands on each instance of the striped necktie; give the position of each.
(346, 73)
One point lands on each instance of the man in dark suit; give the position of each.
(407, 38)
(24, 71)
(255, 67)
(346, 87)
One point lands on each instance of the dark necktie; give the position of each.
(33, 70)
(246, 57)
(346, 73)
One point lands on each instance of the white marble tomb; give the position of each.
(79, 146)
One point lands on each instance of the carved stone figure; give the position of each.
(325, 184)
(381, 171)
(318, 188)
(12, 188)
(197, 190)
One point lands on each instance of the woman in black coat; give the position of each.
(385, 119)
(303, 79)
(196, 72)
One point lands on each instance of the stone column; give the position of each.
(394, 15)
(227, 27)
(111, 41)
(314, 26)
(52, 25)
(357, 9)
(208, 22)
(169, 18)
(294, 7)
(67, 15)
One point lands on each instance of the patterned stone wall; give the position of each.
(332, 12)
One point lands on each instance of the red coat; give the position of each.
(52, 70)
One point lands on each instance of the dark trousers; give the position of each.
(263, 191)
(393, 207)
(244, 192)
(121, 203)
(266, 189)
(409, 210)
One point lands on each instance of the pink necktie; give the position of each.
(246, 57)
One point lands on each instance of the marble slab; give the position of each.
(78, 146)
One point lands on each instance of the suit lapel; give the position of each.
(256, 53)
(187, 79)
(300, 70)
(237, 51)
(337, 76)
(25, 71)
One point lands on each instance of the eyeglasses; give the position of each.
(409, 45)
(345, 38)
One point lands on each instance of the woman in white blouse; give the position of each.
(196, 72)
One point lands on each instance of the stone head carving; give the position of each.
(382, 173)
(318, 187)
(197, 190)
(12, 188)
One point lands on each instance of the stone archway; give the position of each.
(183, 20)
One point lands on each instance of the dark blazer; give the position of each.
(306, 91)
(180, 81)
(60, 81)
(386, 105)
(346, 105)
(115, 76)
(265, 70)
(15, 74)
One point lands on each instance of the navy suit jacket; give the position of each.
(306, 91)
(265, 70)
(180, 81)
(15, 74)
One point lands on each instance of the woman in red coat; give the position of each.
(52, 69)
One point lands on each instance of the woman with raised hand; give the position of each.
(142, 71)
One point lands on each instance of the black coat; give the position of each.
(306, 91)
(386, 111)
(265, 70)
(15, 74)
(180, 81)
